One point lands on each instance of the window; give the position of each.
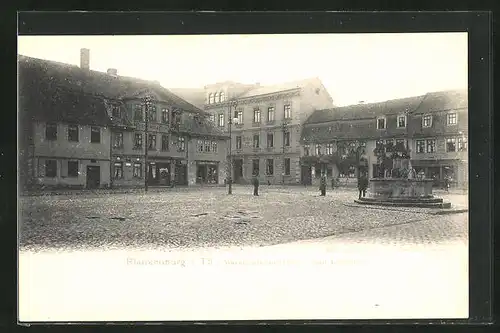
(73, 133)
(152, 141)
(50, 168)
(451, 119)
(51, 131)
(431, 145)
(287, 166)
(420, 146)
(401, 143)
(95, 134)
(115, 111)
(381, 123)
(222, 96)
(270, 114)
(451, 145)
(256, 115)
(401, 121)
(137, 171)
(214, 146)
(152, 114)
(389, 145)
(211, 98)
(318, 150)
(164, 142)
(199, 146)
(238, 142)
(270, 167)
(164, 116)
(138, 140)
(256, 141)
(306, 150)
(221, 120)
(118, 140)
(427, 120)
(72, 168)
(138, 112)
(255, 167)
(216, 97)
(270, 140)
(118, 174)
(462, 144)
(239, 116)
(207, 146)
(181, 144)
(286, 136)
(329, 148)
(287, 111)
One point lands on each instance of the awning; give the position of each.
(434, 163)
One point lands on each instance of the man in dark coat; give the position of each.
(255, 183)
(362, 185)
(322, 186)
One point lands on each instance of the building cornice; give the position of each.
(257, 99)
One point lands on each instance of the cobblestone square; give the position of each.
(199, 218)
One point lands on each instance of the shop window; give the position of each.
(270, 167)
(50, 168)
(118, 170)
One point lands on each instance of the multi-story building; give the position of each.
(265, 125)
(86, 128)
(433, 127)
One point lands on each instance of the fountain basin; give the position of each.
(402, 193)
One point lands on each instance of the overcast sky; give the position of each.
(353, 67)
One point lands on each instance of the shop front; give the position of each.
(207, 172)
(439, 170)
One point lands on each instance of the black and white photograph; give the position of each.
(243, 177)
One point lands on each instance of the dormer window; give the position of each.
(216, 98)
(381, 123)
(222, 96)
(402, 121)
(211, 98)
(426, 120)
(115, 111)
(451, 119)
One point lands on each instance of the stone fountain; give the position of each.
(401, 186)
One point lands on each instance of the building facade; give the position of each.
(86, 129)
(265, 124)
(433, 127)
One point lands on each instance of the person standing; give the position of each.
(362, 186)
(255, 182)
(322, 186)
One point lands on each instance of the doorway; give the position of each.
(306, 175)
(163, 172)
(93, 176)
(201, 174)
(238, 170)
(181, 174)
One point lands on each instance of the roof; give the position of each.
(97, 83)
(39, 99)
(264, 90)
(195, 96)
(430, 102)
(51, 91)
(356, 121)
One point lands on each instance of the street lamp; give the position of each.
(148, 103)
(233, 104)
(356, 146)
(284, 127)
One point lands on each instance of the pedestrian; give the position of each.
(333, 183)
(362, 186)
(322, 186)
(447, 184)
(255, 182)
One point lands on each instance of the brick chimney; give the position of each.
(112, 72)
(85, 59)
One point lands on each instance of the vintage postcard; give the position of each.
(243, 177)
